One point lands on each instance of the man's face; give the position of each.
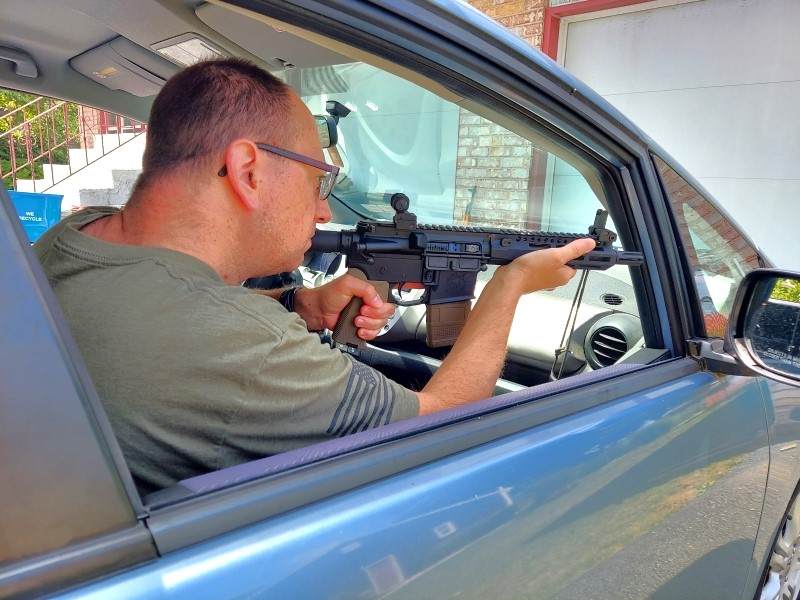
(291, 203)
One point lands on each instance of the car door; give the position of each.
(588, 503)
(636, 479)
(69, 509)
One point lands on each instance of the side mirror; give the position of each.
(764, 330)
(326, 127)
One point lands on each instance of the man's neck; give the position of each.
(106, 228)
(156, 221)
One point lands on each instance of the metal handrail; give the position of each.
(43, 134)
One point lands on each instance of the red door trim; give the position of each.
(553, 16)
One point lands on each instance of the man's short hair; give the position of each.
(202, 108)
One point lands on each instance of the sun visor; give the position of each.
(122, 65)
(270, 43)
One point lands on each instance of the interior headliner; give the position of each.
(40, 30)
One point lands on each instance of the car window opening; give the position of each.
(462, 171)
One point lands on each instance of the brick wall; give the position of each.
(492, 174)
(524, 17)
(496, 169)
(89, 123)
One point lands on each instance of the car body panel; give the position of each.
(536, 514)
(782, 403)
(665, 480)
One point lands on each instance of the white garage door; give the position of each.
(717, 84)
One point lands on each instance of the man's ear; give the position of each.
(240, 162)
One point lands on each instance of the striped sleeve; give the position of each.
(369, 401)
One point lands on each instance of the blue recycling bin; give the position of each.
(37, 212)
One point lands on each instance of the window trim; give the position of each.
(695, 323)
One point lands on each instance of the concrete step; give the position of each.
(74, 181)
(117, 194)
(51, 174)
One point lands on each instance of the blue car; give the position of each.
(643, 441)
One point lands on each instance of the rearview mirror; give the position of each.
(326, 127)
(765, 332)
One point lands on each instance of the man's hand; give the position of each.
(320, 307)
(544, 269)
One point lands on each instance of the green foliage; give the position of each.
(787, 289)
(23, 173)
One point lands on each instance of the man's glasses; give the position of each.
(326, 181)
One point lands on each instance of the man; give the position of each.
(198, 373)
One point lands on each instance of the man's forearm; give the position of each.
(471, 369)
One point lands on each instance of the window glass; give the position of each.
(718, 253)
(467, 164)
(455, 166)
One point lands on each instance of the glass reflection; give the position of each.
(772, 330)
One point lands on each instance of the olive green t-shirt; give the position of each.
(197, 375)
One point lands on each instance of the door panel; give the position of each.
(783, 417)
(66, 512)
(635, 498)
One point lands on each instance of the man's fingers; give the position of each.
(578, 248)
(363, 289)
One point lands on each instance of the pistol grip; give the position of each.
(345, 331)
(443, 322)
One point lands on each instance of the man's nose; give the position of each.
(323, 214)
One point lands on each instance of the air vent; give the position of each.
(612, 299)
(608, 344)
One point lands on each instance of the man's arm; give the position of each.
(320, 307)
(471, 369)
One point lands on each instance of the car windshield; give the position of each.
(457, 168)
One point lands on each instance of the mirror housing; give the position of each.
(764, 327)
